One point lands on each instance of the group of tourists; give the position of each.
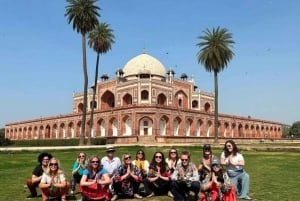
(112, 178)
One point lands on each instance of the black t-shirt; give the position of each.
(38, 171)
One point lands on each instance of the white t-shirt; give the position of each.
(46, 179)
(237, 158)
(111, 167)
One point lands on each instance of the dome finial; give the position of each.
(144, 50)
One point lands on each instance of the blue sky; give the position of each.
(41, 61)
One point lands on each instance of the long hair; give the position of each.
(234, 148)
(177, 155)
(144, 155)
(163, 164)
(90, 167)
(124, 162)
(58, 170)
(85, 160)
(207, 147)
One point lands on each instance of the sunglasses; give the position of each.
(81, 156)
(94, 161)
(183, 159)
(53, 164)
(158, 156)
(128, 157)
(216, 166)
(173, 152)
(140, 153)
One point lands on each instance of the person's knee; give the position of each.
(29, 182)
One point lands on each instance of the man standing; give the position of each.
(185, 178)
(33, 182)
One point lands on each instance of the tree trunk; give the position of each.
(216, 124)
(93, 101)
(85, 89)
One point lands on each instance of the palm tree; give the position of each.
(100, 39)
(215, 54)
(83, 15)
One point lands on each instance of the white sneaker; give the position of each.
(137, 196)
(170, 194)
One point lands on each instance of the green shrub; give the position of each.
(55, 142)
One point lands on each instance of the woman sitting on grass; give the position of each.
(158, 181)
(53, 182)
(141, 162)
(128, 179)
(235, 169)
(220, 187)
(77, 170)
(34, 181)
(95, 181)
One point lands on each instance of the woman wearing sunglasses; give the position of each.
(53, 182)
(141, 162)
(94, 181)
(77, 170)
(127, 178)
(234, 161)
(158, 181)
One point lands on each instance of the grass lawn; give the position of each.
(274, 175)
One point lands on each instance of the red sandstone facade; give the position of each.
(146, 103)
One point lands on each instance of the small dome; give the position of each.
(144, 63)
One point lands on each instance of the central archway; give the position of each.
(145, 126)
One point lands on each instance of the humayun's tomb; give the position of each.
(145, 103)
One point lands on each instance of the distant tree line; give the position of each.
(294, 131)
(291, 131)
(3, 141)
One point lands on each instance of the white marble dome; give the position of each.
(144, 63)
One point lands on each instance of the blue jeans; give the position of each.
(241, 183)
(179, 189)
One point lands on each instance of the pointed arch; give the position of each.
(127, 126)
(207, 107)
(209, 127)
(161, 99)
(80, 107)
(176, 126)
(113, 127)
(48, 132)
(163, 125)
(226, 130)
(107, 100)
(127, 99)
(240, 130)
(101, 127)
(145, 126)
(71, 130)
(199, 127)
(181, 99)
(188, 124)
(144, 95)
(195, 104)
(95, 104)
(233, 127)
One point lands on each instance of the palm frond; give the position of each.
(101, 38)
